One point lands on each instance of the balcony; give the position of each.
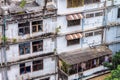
(80, 61)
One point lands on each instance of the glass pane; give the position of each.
(35, 49)
(34, 28)
(28, 69)
(21, 51)
(22, 71)
(27, 50)
(39, 28)
(27, 30)
(21, 31)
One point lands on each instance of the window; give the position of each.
(89, 34)
(89, 15)
(37, 26)
(98, 14)
(74, 3)
(91, 1)
(37, 46)
(23, 28)
(118, 12)
(73, 22)
(73, 42)
(24, 69)
(98, 32)
(24, 48)
(37, 65)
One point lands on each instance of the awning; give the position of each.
(79, 56)
(74, 16)
(73, 36)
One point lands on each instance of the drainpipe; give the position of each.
(56, 57)
(82, 40)
(105, 23)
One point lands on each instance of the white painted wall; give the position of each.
(93, 22)
(13, 52)
(48, 27)
(48, 67)
(62, 45)
(64, 10)
(92, 40)
(87, 41)
(62, 21)
(115, 48)
(111, 35)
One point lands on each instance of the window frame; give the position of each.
(71, 23)
(25, 27)
(40, 44)
(74, 3)
(37, 25)
(118, 14)
(24, 47)
(89, 34)
(91, 1)
(37, 66)
(73, 42)
(22, 66)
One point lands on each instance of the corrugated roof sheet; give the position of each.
(78, 56)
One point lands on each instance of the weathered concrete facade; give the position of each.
(37, 35)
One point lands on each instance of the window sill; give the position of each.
(36, 32)
(75, 7)
(37, 51)
(73, 45)
(74, 26)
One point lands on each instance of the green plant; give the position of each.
(4, 38)
(22, 4)
(115, 74)
(115, 61)
(14, 40)
(54, 49)
(57, 29)
(108, 65)
(65, 67)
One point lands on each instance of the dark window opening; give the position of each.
(118, 12)
(73, 42)
(24, 48)
(90, 15)
(73, 22)
(91, 1)
(37, 46)
(24, 69)
(23, 28)
(37, 65)
(98, 14)
(98, 32)
(37, 26)
(74, 3)
(89, 34)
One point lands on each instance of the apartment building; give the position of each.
(57, 39)
(90, 35)
(27, 47)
